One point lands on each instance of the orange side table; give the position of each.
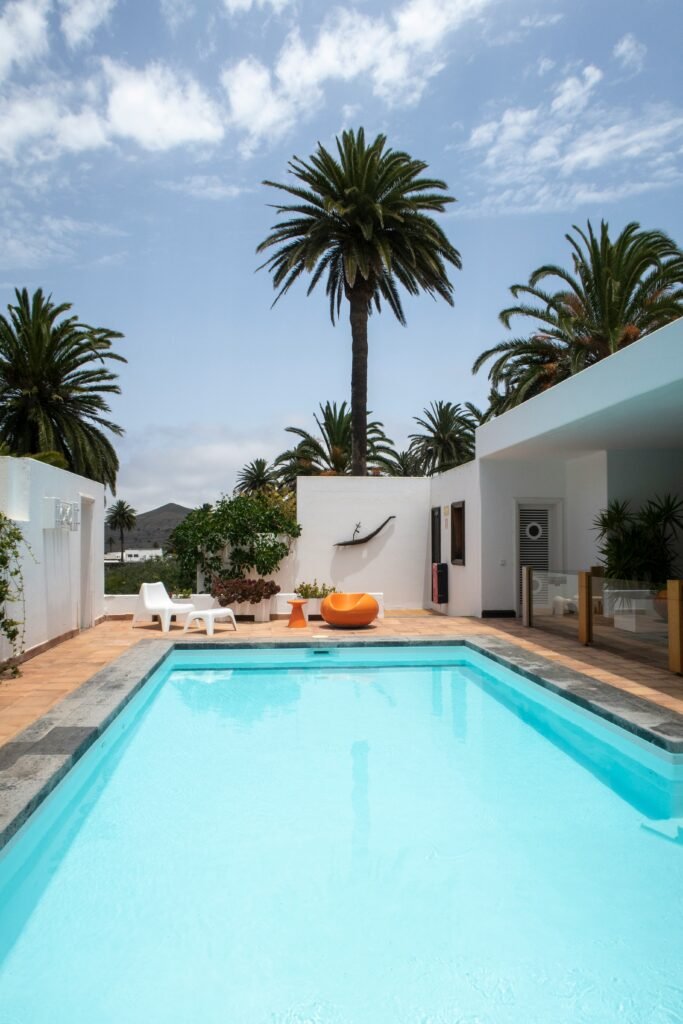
(297, 619)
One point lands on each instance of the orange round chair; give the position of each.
(349, 610)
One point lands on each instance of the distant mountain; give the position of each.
(152, 529)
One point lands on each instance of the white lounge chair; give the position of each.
(152, 600)
(209, 616)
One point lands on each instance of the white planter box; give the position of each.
(260, 611)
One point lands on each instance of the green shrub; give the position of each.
(641, 545)
(239, 591)
(256, 529)
(11, 590)
(314, 590)
(127, 577)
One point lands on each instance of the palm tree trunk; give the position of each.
(358, 300)
(122, 546)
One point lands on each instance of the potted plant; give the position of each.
(642, 546)
(314, 593)
(255, 593)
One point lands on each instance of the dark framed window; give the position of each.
(458, 533)
(436, 535)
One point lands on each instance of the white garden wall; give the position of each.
(393, 563)
(64, 573)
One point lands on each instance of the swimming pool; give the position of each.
(349, 836)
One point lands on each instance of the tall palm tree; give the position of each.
(257, 475)
(122, 517)
(447, 437)
(330, 452)
(53, 376)
(617, 292)
(360, 219)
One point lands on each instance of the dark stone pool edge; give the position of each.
(33, 763)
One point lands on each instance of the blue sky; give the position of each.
(134, 135)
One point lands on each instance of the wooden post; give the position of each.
(674, 593)
(527, 596)
(585, 608)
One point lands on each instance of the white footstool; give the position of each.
(209, 616)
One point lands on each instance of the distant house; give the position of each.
(132, 555)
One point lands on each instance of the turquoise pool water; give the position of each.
(396, 836)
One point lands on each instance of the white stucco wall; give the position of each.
(586, 496)
(393, 563)
(504, 485)
(64, 574)
(464, 581)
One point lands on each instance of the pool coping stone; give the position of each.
(33, 763)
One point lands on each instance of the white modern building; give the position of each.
(542, 473)
(61, 516)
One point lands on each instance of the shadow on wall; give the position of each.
(348, 562)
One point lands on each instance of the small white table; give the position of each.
(208, 616)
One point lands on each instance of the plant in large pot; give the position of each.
(314, 593)
(230, 591)
(642, 545)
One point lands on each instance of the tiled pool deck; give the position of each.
(67, 696)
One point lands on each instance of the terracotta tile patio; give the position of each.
(49, 677)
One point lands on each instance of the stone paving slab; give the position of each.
(34, 762)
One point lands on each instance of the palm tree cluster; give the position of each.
(445, 440)
(53, 381)
(617, 292)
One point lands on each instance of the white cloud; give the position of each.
(176, 12)
(41, 122)
(630, 53)
(81, 18)
(540, 20)
(158, 108)
(399, 54)
(206, 186)
(573, 93)
(201, 471)
(257, 107)
(572, 148)
(240, 6)
(29, 240)
(154, 106)
(23, 33)
(544, 65)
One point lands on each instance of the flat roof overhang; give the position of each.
(632, 400)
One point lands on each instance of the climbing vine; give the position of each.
(11, 590)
